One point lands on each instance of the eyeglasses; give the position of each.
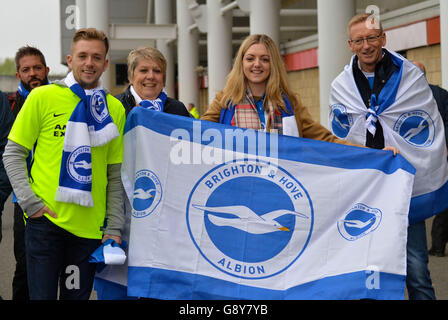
(370, 40)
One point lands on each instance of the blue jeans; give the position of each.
(54, 255)
(418, 279)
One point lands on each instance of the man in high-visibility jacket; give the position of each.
(193, 111)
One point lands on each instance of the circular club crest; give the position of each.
(416, 128)
(340, 120)
(147, 193)
(79, 165)
(98, 106)
(359, 221)
(249, 218)
(154, 105)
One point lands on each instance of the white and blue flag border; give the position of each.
(149, 279)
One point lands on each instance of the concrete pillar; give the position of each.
(219, 47)
(163, 15)
(265, 18)
(81, 19)
(187, 55)
(97, 16)
(444, 41)
(334, 52)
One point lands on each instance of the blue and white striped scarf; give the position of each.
(23, 91)
(90, 125)
(157, 104)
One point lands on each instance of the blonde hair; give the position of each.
(90, 34)
(235, 89)
(362, 17)
(145, 53)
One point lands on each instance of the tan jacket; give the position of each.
(308, 128)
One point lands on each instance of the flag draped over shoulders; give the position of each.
(212, 217)
(411, 122)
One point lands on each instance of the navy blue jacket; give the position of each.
(383, 71)
(441, 97)
(6, 121)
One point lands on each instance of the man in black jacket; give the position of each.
(32, 72)
(6, 121)
(439, 231)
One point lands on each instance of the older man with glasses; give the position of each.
(383, 99)
(367, 44)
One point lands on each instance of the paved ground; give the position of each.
(438, 266)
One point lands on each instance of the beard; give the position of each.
(28, 87)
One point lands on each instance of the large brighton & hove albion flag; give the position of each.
(411, 122)
(220, 212)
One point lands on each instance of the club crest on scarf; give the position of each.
(416, 128)
(90, 125)
(152, 105)
(340, 120)
(156, 104)
(239, 209)
(147, 193)
(98, 108)
(79, 165)
(359, 221)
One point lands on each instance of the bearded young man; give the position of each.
(32, 72)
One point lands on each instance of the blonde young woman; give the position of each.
(257, 95)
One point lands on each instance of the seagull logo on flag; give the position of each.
(359, 221)
(342, 125)
(247, 220)
(142, 194)
(359, 224)
(239, 229)
(147, 193)
(411, 133)
(416, 128)
(340, 120)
